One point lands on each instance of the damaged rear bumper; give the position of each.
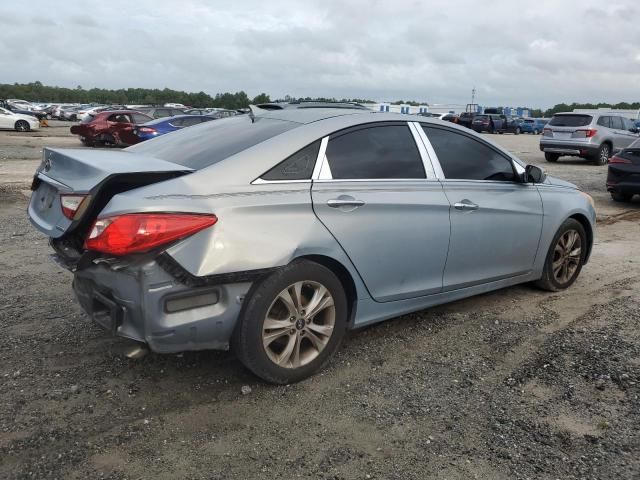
(145, 303)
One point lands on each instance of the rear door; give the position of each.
(118, 125)
(496, 220)
(379, 198)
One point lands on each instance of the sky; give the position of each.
(514, 53)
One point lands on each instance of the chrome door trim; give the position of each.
(435, 163)
(320, 159)
(426, 161)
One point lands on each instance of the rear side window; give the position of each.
(120, 118)
(570, 120)
(604, 121)
(616, 123)
(137, 118)
(298, 166)
(203, 145)
(378, 152)
(463, 157)
(161, 112)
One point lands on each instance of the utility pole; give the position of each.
(473, 95)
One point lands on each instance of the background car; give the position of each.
(311, 104)
(465, 119)
(594, 136)
(110, 128)
(17, 121)
(495, 123)
(533, 125)
(623, 175)
(161, 112)
(160, 126)
(255, 232)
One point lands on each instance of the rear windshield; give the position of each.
(203, 145)
(481, 117)
(570, 120)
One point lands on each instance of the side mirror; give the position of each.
(534, 174)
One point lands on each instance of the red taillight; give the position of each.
(616, 159)
(147, 130)
(140, 232)
(70, 204)
(585, 133)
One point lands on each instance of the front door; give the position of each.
(496, 220)
(390, 219)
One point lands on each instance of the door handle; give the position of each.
(337, 202)
(465, 205)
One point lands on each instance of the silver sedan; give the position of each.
(273, 233)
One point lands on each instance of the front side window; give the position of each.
(380, 152)
(137, 118)
(463, 157)
(120, 118)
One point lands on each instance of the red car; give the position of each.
(113, 128)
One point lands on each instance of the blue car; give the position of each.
(160, 126)
(533, 125)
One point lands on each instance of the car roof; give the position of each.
(310, 104)
(156, 121)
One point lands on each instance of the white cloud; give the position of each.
(533, 54)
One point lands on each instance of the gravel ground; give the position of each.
(513, 384)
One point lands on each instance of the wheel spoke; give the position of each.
(296, 352)
(285, 297)
(321, 299)
(284, 357)
(268, 338)
(273, 324)
(325, 330)
(296, 294)
(315, 340)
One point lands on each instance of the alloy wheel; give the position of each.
(567, 255)
(604, 154)
(22, 126)
(299, 324)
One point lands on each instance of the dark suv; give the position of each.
(495, 123)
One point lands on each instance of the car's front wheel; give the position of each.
(536, 131)
(22, 126)
(518, 131)
(292, 323)
(565, 257)
(551, 157)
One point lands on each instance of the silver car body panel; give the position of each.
(405, 247)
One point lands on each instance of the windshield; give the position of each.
(203, 145)
(570, 120)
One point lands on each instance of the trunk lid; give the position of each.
(99, 174)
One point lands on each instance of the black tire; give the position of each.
(536, 131)
(518, 131)
(551, 157)
(247, 340)
(621, 197)
(603, 154)
(106, 140)
(548, 281)
(22, 126)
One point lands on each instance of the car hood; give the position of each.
(560, 183)
(22, 116)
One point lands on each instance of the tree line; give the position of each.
(37, 92)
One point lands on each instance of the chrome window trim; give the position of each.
(260, 181)
(321, 159)
(435, 162)
(415, 129)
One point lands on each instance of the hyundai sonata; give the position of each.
(273, 233)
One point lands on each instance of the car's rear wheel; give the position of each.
(106, 140)
(536, 131)
(602, 157)
(621, 197)
(22, 126)
(518, 131)
(551, 157)
(565, 257)
(292, 323)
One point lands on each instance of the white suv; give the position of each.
(595, 136)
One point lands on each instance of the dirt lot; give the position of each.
(514, 384)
